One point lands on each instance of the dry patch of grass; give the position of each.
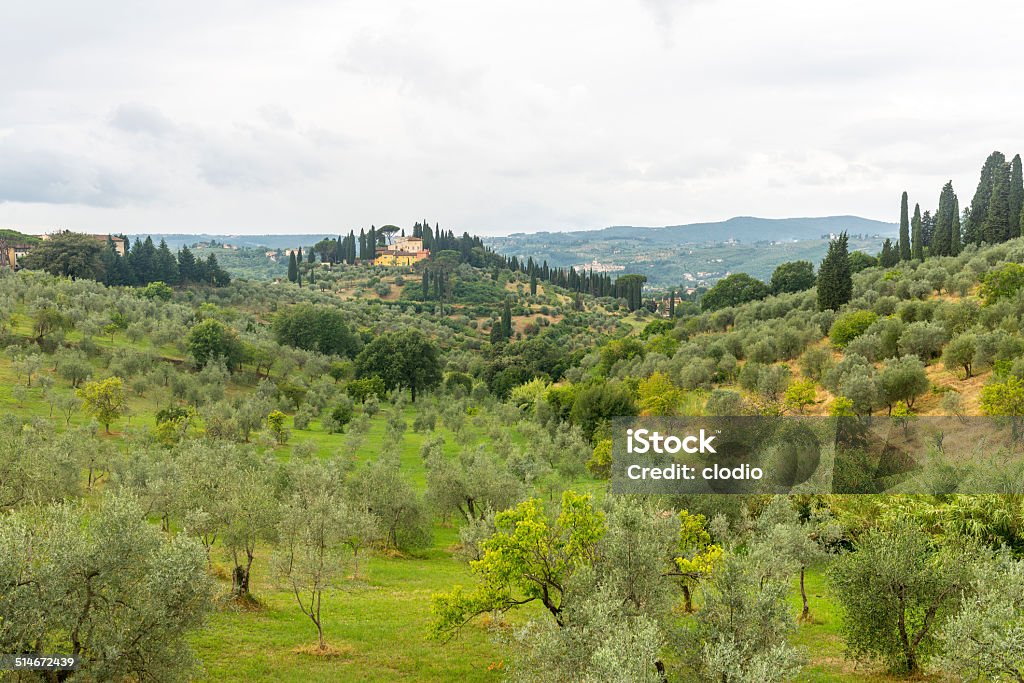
(328, 651)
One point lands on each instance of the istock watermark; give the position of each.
(805, 454)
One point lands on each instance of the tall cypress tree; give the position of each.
(835, 281)
(672, 304)
(955, 239)
(916, 236)
(293, 267)
(904, 228)
(1016, 196)
(533, 283)
(944, 219)
(974, 230)
(996, 227)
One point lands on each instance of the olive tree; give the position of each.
(105, 586)
(311, 542)
(896, 590)
(985, 640)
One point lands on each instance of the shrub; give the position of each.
(849, 326)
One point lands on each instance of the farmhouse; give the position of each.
(405, 251)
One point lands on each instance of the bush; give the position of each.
(849, 326)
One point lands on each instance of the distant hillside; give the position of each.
(741, 228)
(699, 253)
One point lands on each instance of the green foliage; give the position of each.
(401, 359)
(276, 425)
(617, 350)
(793, 276)
(835, 282)
(983, 641)
(342, 414)
(158, 290)
(849, 326)
(902, 380)
(600, 402)
(1003, 397)
(104, 586)
(1002, 283)
(799, 395)
(211, 340)
(104, 399)
(600, 463)
(741, 631)
(897, 589)
(316, 328)
(860, 261)
(68, 254)
(659, 396)
(960, 353)
(529, 558)
(361, 389)
(733, 290)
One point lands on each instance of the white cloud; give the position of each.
(492, 117)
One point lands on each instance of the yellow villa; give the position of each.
(405, 251)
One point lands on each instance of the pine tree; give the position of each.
(835, 281)
(1016, 196)
(293, 267)
(188, 270)
(916, 235)
(165, 265)
(904, 228)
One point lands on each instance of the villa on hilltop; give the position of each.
(405, 251)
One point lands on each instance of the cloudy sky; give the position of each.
(252, 116)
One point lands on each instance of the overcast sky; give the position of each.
(253, 116)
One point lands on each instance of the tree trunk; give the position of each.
(805, 615)
(240, 581)
(687, 599)
(319, 624)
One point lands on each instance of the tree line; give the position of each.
(75, 255)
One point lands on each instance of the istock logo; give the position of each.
(645, 441)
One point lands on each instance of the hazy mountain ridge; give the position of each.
(742, 228)
(697, 254)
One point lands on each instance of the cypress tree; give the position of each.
(996, 227)
(944, 219)
(293, 268)
(904, 228)
(955, 240)
(1016, 196)
(916, 236)
(974, 230)
(426, 283)
(835, 281)
(533, 283)
(672, 304)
